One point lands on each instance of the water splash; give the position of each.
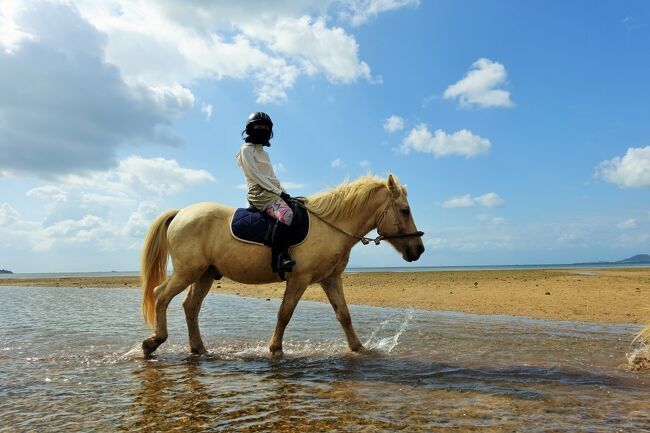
(387, 344)
(639, 356)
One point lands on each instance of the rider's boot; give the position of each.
(281, 261)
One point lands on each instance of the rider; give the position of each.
(264, 190)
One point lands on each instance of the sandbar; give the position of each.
(603, 295)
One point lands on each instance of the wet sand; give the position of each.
(612, 295)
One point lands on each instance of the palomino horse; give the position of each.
(201, 247)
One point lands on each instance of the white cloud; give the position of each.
(79, 110)
(460, 201)
(364, 164)
(136, 176)
(490, 199)
(293, 185)
(242, 186)
(393, 124)
(8, 214)
(479, 87)
(360, 11)
(206, 109)
(268, 43)
(630, 171)
(109, 210)
(435, 243)
(628, 224)
(338, 163)
(462, 143)
(140, 220)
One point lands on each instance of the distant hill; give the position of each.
(4, 271)
(638, 259)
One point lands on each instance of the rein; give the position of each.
(366, 240)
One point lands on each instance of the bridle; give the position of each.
(392, 204)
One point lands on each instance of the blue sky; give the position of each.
(521, 129)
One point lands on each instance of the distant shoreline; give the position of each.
(591, 294)
(364, 269)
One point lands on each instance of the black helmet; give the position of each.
(259, 117)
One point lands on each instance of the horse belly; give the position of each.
(246, 263)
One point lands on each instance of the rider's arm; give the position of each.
(252, 171)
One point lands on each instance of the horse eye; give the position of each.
(406, 211)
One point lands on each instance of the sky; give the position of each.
(522, 129)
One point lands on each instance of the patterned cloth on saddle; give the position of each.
(255, 227)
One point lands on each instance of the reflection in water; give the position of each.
(425, 371)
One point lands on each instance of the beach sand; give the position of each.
(612, 295)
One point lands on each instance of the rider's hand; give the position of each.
(284, 196)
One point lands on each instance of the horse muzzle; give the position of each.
(412, 254)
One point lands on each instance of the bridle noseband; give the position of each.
(392, 204)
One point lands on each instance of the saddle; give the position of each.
(254, 227)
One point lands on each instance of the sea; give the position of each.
(356, 270)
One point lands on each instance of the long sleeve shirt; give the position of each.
(263, 186)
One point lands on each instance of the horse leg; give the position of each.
(333, 287)
(292, 294)
(164, 294)
(192, 306)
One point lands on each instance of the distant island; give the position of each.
(4, 271)
(639, 259)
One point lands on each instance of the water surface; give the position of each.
(70, 361)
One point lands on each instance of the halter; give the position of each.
(392, 204)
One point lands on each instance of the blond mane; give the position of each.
(346, 199)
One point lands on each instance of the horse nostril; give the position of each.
(420, 249)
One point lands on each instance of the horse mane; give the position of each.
(347, 199)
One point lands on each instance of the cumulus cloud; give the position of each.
(268, 43)
(109, 210)
(365, 164)
(8, 214)
(490, 200)
(460, 201)
(461, 143)
(360, 11)
(64, 109)
(338, 163)
(480, 86)
(630, 171)
(393, 124)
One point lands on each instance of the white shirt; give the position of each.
(258, 170)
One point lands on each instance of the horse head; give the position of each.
(395, 223)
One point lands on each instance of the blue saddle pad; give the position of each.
(256, 227)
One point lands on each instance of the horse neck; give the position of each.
(365, 220)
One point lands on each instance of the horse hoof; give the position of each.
(277, 353)
(149, 346)
(200, 351)
(358, 349)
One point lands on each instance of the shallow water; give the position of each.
(70, 361)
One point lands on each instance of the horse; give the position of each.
(202, 249)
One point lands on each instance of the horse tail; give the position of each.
(153, 262)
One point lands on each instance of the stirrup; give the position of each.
(285, 263)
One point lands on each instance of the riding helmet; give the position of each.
(259, 117)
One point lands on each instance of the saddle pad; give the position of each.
(255, 227)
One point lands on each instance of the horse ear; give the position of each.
(393, 186)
